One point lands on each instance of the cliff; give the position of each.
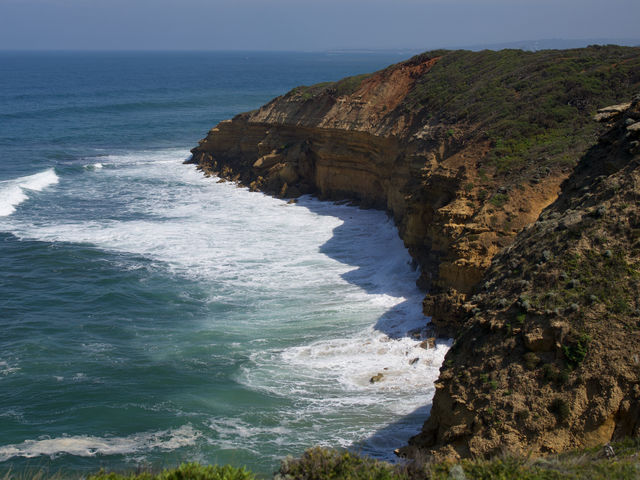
(549, 358)
(465, 150)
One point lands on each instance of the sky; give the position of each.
(308, 25)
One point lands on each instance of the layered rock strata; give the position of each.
(358, 141)
(464, 150)
(549, 358)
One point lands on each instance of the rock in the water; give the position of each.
(376, 378)
(428, 343)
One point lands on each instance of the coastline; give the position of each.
(127, 258)
(456, 190)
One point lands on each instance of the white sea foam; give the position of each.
(16, 414)
(97, 347)
(89, 446)
(14, 192)
(6, 369)
(232, 433)
(406, 367)
(332, 286)
(179, 217)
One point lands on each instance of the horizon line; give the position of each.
(628, 42)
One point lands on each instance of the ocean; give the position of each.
(151, 316)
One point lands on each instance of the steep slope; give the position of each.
(463, 148)
(549, 357)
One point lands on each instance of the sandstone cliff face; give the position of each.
(426, 188)
(549, 358)
(465, 150)
(370, 140)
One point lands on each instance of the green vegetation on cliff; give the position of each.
(613, 462)
(466, 149)
(548, 357)
(532, 106)
(618, 461)
(187, 471)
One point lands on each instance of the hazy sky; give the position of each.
(305, 24)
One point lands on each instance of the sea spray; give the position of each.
(14, 192)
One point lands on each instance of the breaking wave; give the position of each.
(14, 192)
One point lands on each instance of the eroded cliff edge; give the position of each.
(464, 150)
(549, 358)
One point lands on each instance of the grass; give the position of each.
(591, 278)
(499, 199)
(593, 464)
(534, 108)
(346, 86)
(599, 275)
(186, 471)
(328, 464)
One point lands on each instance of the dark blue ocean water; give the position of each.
(150, 316)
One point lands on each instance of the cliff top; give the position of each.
(464, 148)
(532, 107)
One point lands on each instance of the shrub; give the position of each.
(322, 463)
(560, 408)
(576, 351)
(499, 199)
(534, 106)
(349, 85)
(186, 471)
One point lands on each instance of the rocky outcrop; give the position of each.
(465, 150)
(430, 186)
(549, 358)
(392, 140)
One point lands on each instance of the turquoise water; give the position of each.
(150, 316)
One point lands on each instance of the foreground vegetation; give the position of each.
(612, 462)
(618, 461)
